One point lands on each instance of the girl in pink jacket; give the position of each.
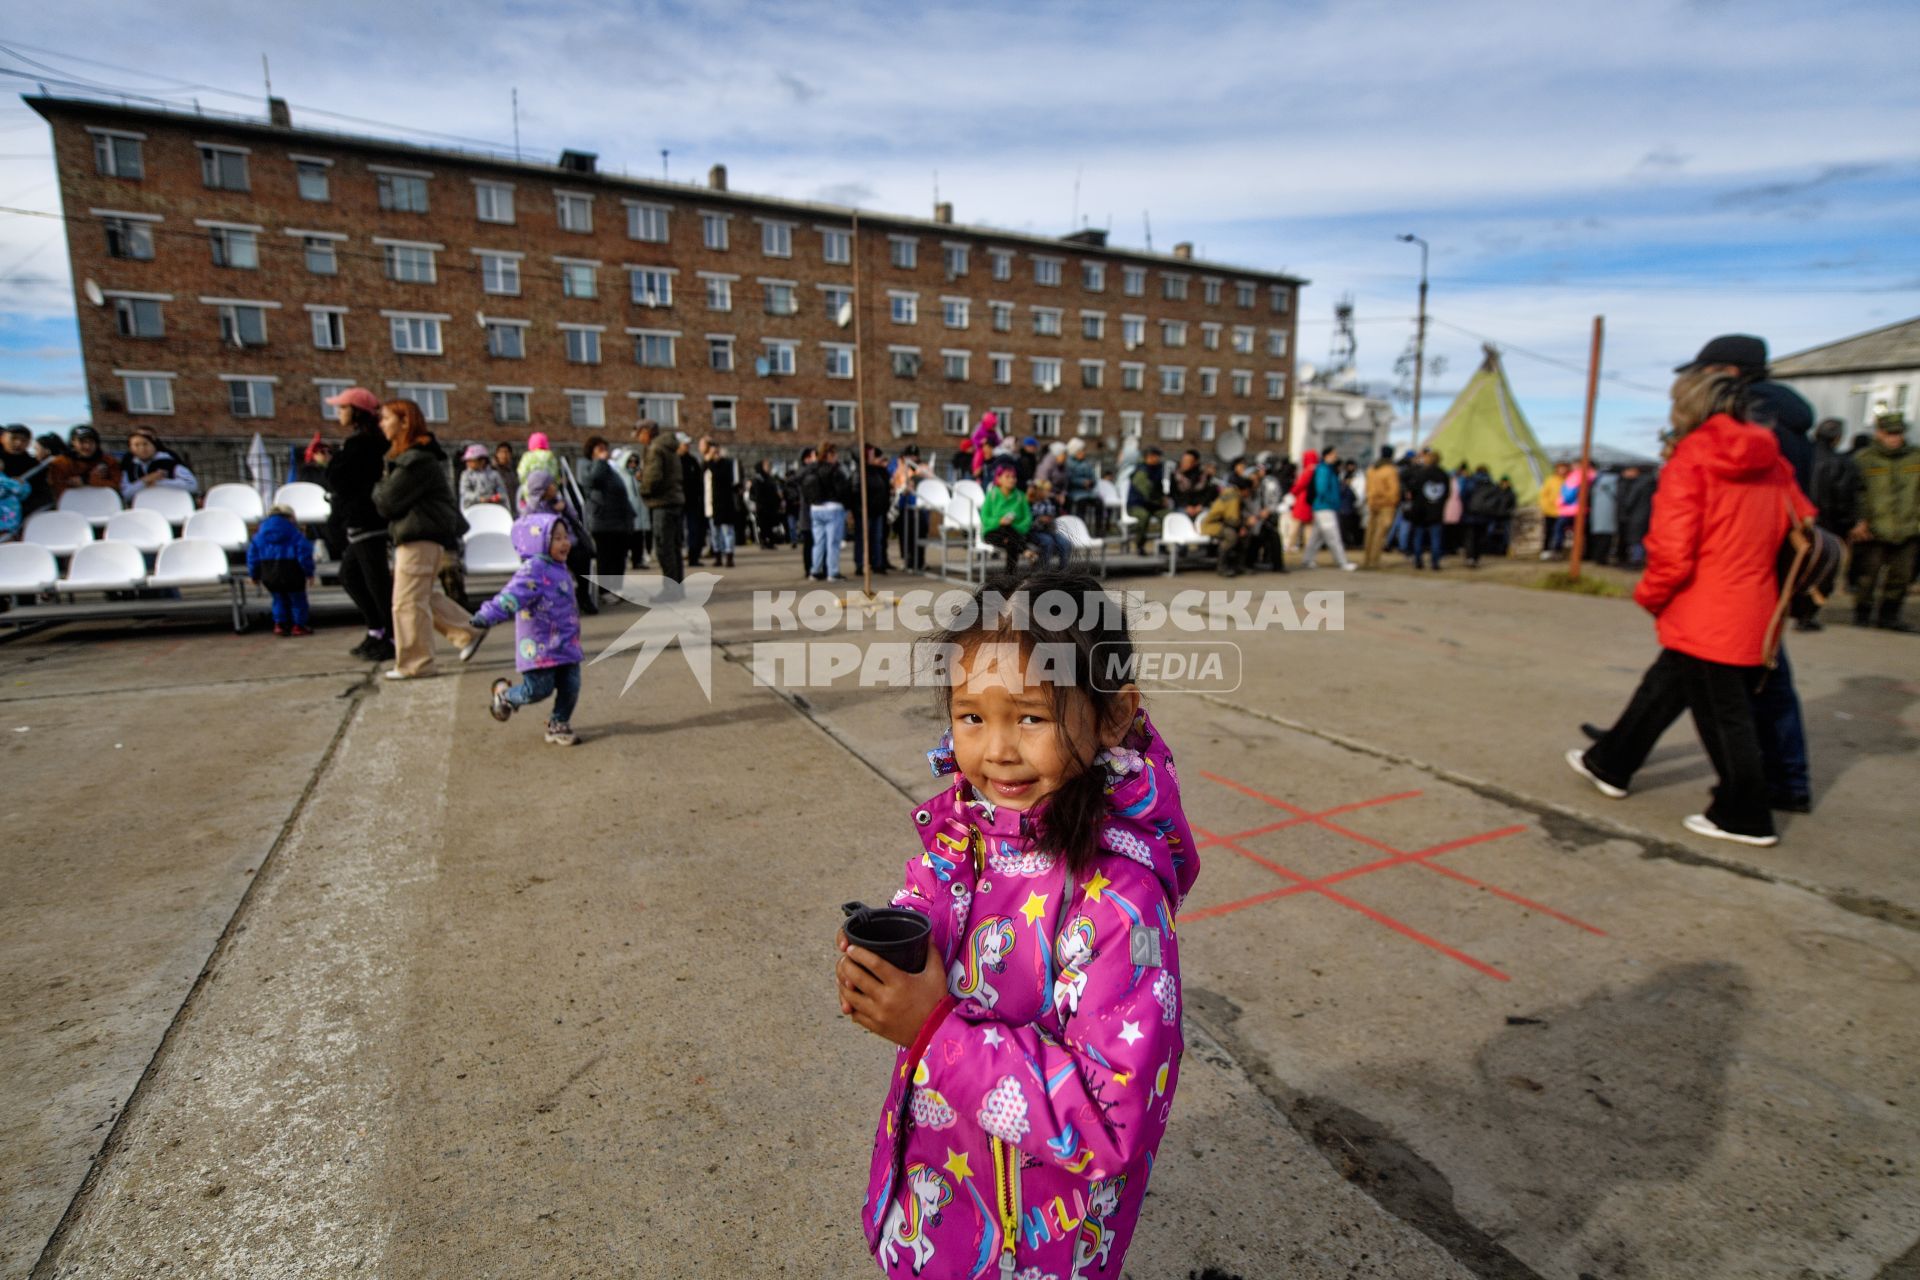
(1040, 1047)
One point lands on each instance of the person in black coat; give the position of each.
(720, 498)
(1636, 513)
(352, 472)
(1833, 479)
(769, 519)
(873, 533)
(692, 483)
(609, 515)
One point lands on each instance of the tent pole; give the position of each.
(1586, 454)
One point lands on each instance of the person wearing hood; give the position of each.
(351, 476)
(1053, 467)
(626, 465)
(1718, 521)
(543, 493)
(480, 483)
(546, 626)
(425, 523)
(86, 465)
(148, 464)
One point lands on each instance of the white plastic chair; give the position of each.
(201, 562)
(26, 569)
(1081, 538)
(309, 501)
(91, 503)
(216, 525)
(971, 491)
(61, 532)
(142, 528)
(175, 505)
(1177, 530)
(487, 517)
(105, 566)
(959, 519)
(241, 499)
(490, 552)
(933, 492)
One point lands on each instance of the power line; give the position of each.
(1556, 361)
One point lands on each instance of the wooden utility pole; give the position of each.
(1586, 454)
(860, 418)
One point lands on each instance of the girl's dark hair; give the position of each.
(1017, 608)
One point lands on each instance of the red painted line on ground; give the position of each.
(1282, 825)
(1528, 903)
(1378, 917)
(1379, 864)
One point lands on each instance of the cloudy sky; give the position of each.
(1684, 168)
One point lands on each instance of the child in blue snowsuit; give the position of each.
(280, 559)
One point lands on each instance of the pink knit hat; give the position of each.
(538, 440)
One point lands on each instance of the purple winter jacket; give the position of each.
(1039, 1090)
(540, 600)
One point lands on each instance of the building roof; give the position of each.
(49, 106)
(1897, 346)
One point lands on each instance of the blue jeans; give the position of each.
(1426, 540)
(1049, 542)
(1783, 737)
(289, 608)
(562, 684)
(1557, 532)
(721, 533)
(1400, 536)
(829, 524)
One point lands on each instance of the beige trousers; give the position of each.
(419, 609)
(1379, 525)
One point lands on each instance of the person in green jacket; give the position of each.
(1006, 517)
(1887, 496)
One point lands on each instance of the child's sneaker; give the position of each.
(499, 706)
(301, 631)
(560, 735)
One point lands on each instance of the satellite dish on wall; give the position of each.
(1354, 410)
(1307, 373)
(480, 318)
(92, 290)
(844, 316)
(760, 366)
(1231, 446)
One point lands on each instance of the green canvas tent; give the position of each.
(1486, 428)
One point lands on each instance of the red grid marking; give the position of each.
(1395, 857)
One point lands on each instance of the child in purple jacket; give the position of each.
(546, 626)
(1040, 1047)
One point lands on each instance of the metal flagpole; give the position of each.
(860, 419)
(1586, 455)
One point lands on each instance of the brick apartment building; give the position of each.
(246, 269)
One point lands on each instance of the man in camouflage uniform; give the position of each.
(1887, 498)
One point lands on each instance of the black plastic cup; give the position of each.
(897, 936)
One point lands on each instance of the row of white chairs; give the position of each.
(27, 569)
(308, 501)
(64, 532)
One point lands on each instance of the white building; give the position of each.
(1858, 378)
(1349, 419)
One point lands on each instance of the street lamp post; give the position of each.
(1420, 336)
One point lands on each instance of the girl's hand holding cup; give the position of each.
(886, 1000)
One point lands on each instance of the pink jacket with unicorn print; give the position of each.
(1037, 1093)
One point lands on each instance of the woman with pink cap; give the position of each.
(480, 484)
(353, 471)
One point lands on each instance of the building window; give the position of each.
(903, 252)
(653, 350)
(1093, 276)
(583, 345)
(1130, 420)
(1243, 339)
(1210, 292)
(1206, 426)
(837, 360)
(840, 416)
(1242, 382)
(1276, 386)
(1243, 293)
(235, 248)
(725, 411)
(409, 264)
(510, 407)
(956, 364)
(1133, 377)
(1133, 281)
(720, 353)
(651, 286)
(1046, 271)
(838, 298)
(647, 222)
(779, 297)
(779, 357)
(416, 335)
(1276, 428)
(148, 393)
(1133, 331)
(1093, 325)
(1173, 380)
(1281, 298)
(431, 398)
(1277, 343)
(1002, 263)
(1002, 314)
(243, 326)
(128, 238)
(955, 258)
(579, 280)
(1046, 422)
(493, 201)
(330, 330)
(499, 273)
(1046, 374)
(586, 408)
(506, 341)
(1173, 426)
(322, 259)
(905, 361)
(1092, 374)
(905, 418)
(1210, 336)
(250, 397)
(311, 177)
(954, 419)
(776, 239)
(117, 155)
(224, 169)
(1173, 333)
(1173, 288)
(1046, 321)
(1002, 367)
(573, 212)
(138, 318)
(664, 410)
(904, 307)
(1209, 382)
(836, 247)
(324, 390)
(719, 293)
(953, 312)
(1089, 422)
(401, 192)
(713, 234)
(783, 415)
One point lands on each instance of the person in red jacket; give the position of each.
(1719, 516)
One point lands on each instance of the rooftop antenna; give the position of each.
(1075, 223)
(266, 73)
(1149, 221)
(663, 164)
(516, 122)
(936, 188)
